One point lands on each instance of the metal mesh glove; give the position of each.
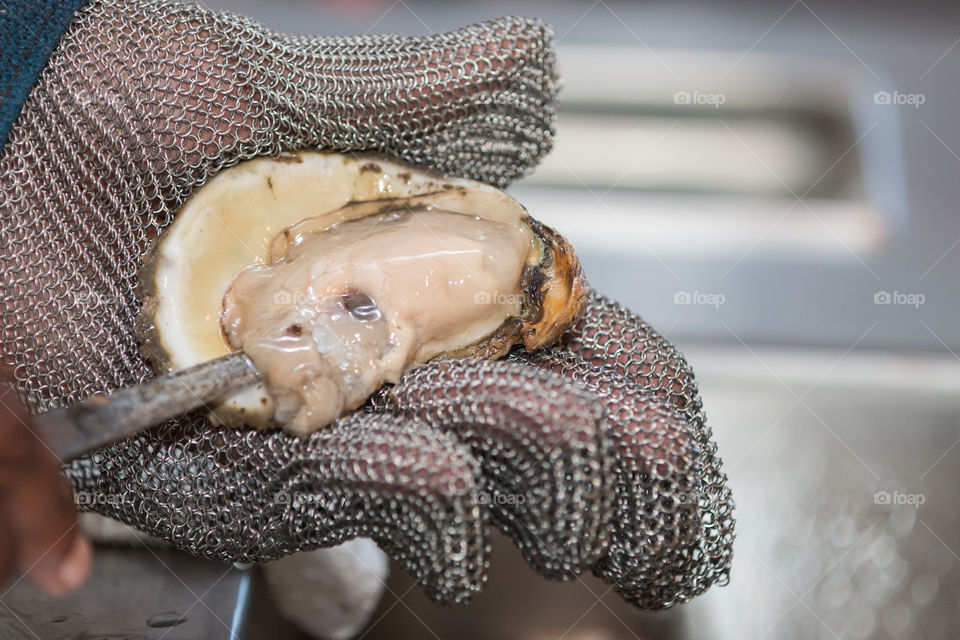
(594, 454)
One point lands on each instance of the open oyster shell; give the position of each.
(253, 213)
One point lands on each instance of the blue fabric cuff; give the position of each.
(29, 32)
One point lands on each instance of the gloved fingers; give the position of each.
(410, 488)
(657, 524)
(609, 347)
(612, 336)
(654, 433)
(199, 89)
(543, 453)
(260, 495)
(476, 102)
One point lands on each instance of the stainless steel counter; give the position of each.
(138, 593)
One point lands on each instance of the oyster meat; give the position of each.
(336, 274)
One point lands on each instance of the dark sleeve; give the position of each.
(29, 32)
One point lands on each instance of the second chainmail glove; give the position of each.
(594, 454)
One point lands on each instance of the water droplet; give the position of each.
(897, 620)
(924, 589)
(166, 619)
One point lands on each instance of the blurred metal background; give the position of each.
(799, 80)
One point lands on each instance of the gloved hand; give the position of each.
(592, 454)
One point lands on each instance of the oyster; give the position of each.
(335, 274)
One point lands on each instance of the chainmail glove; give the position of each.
(594, 454)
